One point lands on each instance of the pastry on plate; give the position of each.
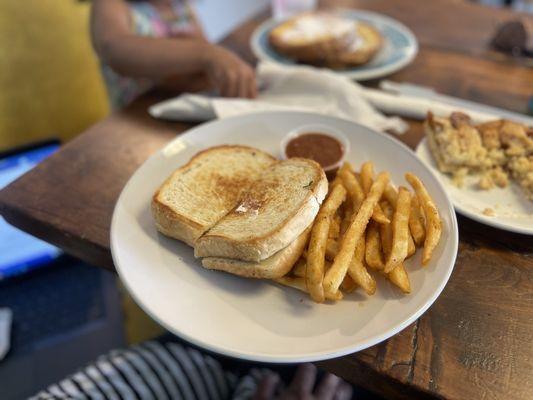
(494, 151)
(327, 40)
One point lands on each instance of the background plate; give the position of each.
(259, 320)
(512, 210)
(399, 48)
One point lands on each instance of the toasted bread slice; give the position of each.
(275, 210)
(200, 193)
(311, 37)
(273, 267)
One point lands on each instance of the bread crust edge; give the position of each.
(288, 257)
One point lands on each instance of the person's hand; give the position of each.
(331, 387)
(229, 74)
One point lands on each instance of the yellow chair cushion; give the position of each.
(50, 83)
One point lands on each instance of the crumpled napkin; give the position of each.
(296, 88)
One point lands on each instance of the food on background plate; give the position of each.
(278, 221)
(489, 212)
(198, 194)
(494, 152)
(326, 39)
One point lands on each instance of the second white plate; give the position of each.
(512, 211)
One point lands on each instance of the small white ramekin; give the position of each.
(323, 129)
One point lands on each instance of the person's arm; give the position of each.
(159, 58)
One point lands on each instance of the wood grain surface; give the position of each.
(475, 342)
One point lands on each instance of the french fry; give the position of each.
(332, 248)
(334, 226)
(317, 244)
(299, 269)
(411, 247)
(334, 183)
(365, 222)
(433, 221)
(299, 284)
(336, 273)
(345, 167)
(373, 256)
(416, 222)
(346, 218)
(379, 217)
(367, 176)
(358, 272)
(385, 230)
(391, 195)
(352, 185)
(398, 276)
(348, 285)
(400, 231)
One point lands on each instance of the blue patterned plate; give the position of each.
(399, 48)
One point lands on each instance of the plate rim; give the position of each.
(287, 359)
(478, 217)
(354, 74)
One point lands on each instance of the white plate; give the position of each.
(512, 210)
(399, 46)
(259, 320)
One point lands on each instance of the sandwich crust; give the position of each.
(273, 267)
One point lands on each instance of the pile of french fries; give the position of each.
(364, 224)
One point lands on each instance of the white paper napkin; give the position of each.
(417, 107)
(298, 88)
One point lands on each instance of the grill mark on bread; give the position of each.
(257, 198)
(229, 189)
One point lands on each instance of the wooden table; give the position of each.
(475, 342)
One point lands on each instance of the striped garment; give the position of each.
(154, 371)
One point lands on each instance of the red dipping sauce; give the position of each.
(322, 148)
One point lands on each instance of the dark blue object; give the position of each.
(20, 252)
